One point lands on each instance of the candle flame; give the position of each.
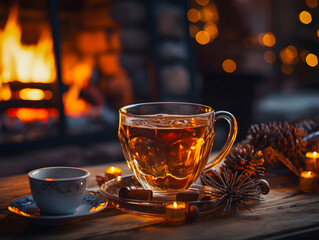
(175, 204)
(112, 169)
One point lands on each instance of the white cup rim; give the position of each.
(84, 176)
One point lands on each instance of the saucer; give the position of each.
(154, 207)
(26, 207)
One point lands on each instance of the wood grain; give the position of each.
(285, 211)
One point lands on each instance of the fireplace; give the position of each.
(68, 66)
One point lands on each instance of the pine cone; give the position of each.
(283, 138)
(246, 159)
(308, 125)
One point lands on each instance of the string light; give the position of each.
(202, 2)
(312, 60)
(270, 56)
(312, 3)
(202, 37)
(193, 15)
(269, 39)
(305, 17)
(229, 65)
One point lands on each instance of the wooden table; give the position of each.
(285, 212)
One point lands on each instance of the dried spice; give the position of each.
(100, 180)
(232, 190)
(246, 159)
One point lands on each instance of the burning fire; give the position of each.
(36, 64)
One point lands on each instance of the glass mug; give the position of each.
(167, 144)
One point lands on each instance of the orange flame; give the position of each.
(26, 63)
(35, 63)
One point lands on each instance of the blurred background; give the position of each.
(66, 67)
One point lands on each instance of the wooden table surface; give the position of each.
(285, 212)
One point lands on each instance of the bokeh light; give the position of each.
(305, 17)
(209, 13)
(287, 69)
(211, 29)
(270, 56)
(312, 3)
(269, 39)
(202, 2)
(318, 33)
(229, 65)
(202, 37)
(193, 15)
(312, 60)
(289, 55)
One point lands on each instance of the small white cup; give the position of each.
(58, 190)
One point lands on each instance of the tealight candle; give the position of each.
(308, 181)
(175, 212)
(312, 161)
(112, 172)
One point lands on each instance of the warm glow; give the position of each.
(31, 94)
(112, 169)
(269, 39)
(49, 179)
(5, 92)
(305, 17)
(287, 69)
(175, 204)
(312, 154)
(209, 13)
(312, 3)
(289, 55)
(308, 174)
(202, 37)
(100, 206)
(211, 29)
(229, 65)
(270, 56)
(318, 33)
(25, 63)
(193, 29)
(193, 15)
(202, 2)
(77, 77)
(32, 114)
(312, 60)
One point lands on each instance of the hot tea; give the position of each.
(167, 152)
(167, 144)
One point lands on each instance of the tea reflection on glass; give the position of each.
(167, 145)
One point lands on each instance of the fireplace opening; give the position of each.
(67, 67)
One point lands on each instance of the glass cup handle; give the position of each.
(230, 139)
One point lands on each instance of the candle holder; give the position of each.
(312, 161)
(175, 212)
(112, 172)
(308, 181)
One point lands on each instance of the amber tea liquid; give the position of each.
(166, 153)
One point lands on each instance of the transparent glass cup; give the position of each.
(167, 144)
